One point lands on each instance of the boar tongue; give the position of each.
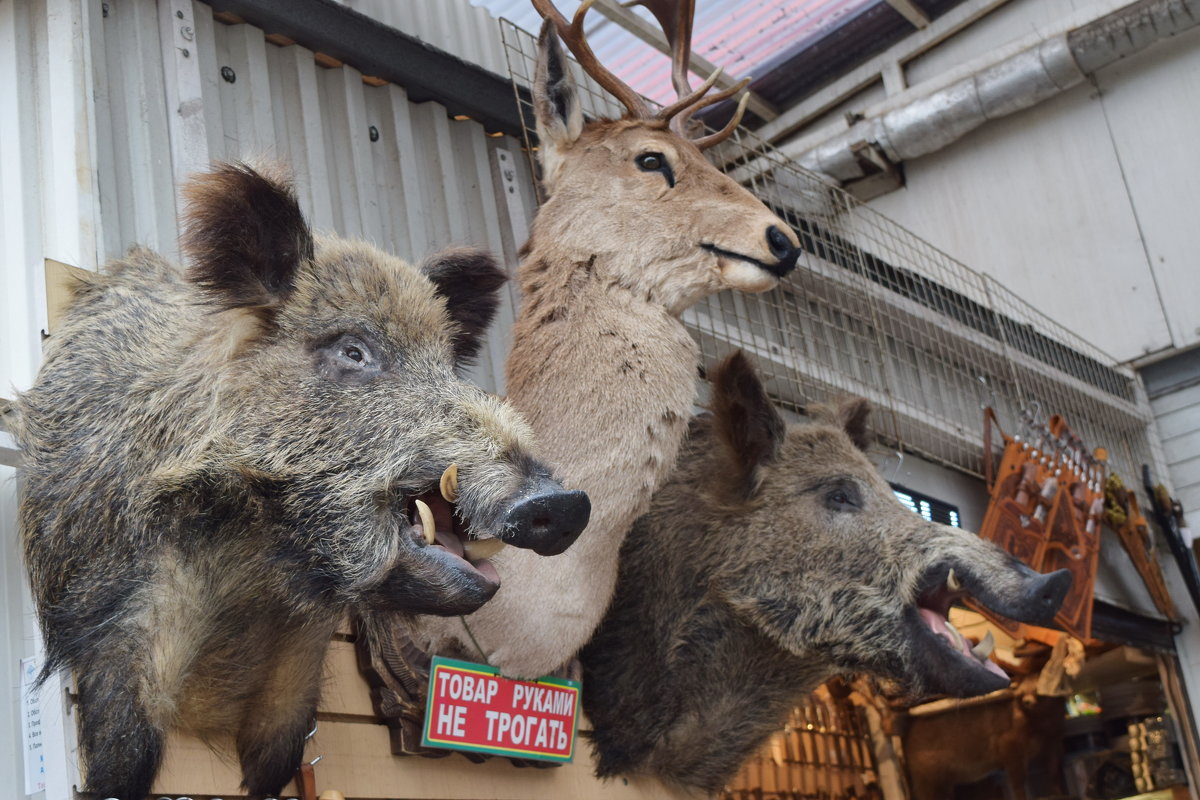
(938, 624)
(453, 542)
(486, 569)
(450, 541)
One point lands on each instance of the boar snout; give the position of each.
(1037, 601)
(545, 517)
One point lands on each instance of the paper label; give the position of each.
(31, 728)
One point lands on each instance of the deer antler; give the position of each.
(675, 18)
(572, 35)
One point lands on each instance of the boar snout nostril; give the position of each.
(548, 522)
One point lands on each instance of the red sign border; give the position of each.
(492, 672)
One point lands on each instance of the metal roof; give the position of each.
(740, 35)
(790, 48)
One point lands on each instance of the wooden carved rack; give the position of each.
(1047, 498)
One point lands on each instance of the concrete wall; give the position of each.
(1083, 205)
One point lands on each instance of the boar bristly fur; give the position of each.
(773, 558)
(221, 465)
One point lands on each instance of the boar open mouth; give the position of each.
(434, 519)
(946, 661)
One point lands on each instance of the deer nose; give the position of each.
(782, 248)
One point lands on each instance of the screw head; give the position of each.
(228, 74)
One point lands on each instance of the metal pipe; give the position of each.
(929, 123)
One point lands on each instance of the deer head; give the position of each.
(635, 196)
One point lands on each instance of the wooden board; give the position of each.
(356, 760)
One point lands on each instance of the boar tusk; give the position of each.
(449, 483)
(479, 549)
(428, 527)
(952, 582)
(985, 647)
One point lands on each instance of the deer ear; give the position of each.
(469, 279)
(555, 103)
(748, 424)
(852, 414)
(244, 235)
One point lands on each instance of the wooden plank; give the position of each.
(345, 695)
(356, 760)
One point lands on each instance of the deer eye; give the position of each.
(649, 162)
(655, 162)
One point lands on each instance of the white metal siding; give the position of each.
(1083, 205)
(1178, 418)
(451, 25)
(105, 116)
(426, 181)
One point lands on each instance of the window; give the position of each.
(929, 508)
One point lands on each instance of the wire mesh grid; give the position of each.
(875, 311)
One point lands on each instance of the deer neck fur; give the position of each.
(605, 375)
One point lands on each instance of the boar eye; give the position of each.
(347, 358)
(843, 497)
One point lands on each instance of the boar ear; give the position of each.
(746, 421)
(852, 416)
(245, 235)
(469, 279)
(555, 104)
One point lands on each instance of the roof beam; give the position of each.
(652, 36)
(424, 71)
(845, 87)
(911, 12)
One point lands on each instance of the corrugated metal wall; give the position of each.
(457, 27)
(108, 106)
(1174, 388)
